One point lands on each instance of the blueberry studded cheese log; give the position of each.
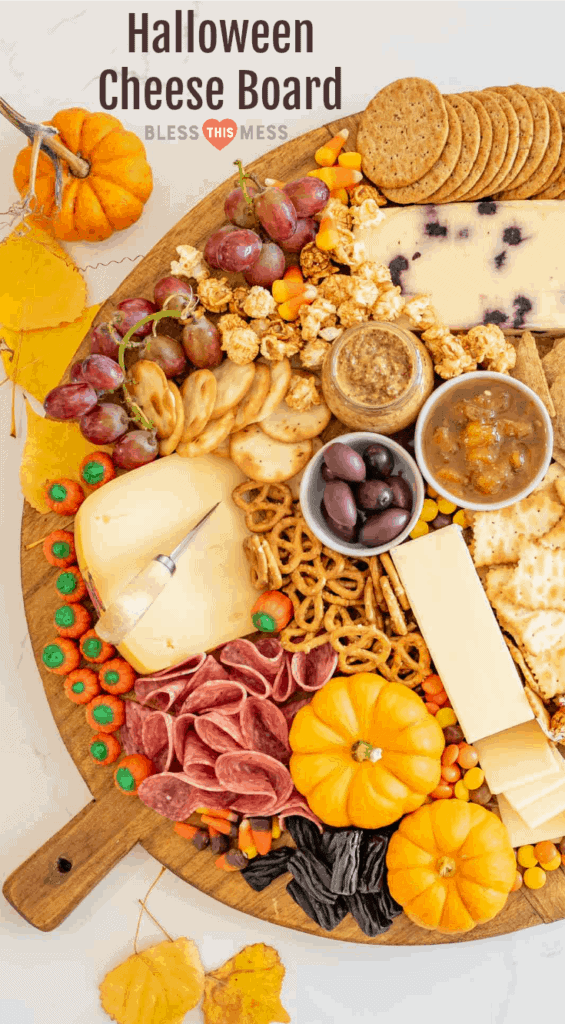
(485, 262)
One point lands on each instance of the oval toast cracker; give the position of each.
(211, 437)
(198, 397)
(286, 424)
(233, 382)
(252, 403)
(262, 458)
(168, 446)
(280, 380)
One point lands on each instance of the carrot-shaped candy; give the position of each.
(82, 685)
(131, 772)
(227, 828)
(352, 160)
(105, 713)
(245, 840)
(262, 835)
(72, 620)
(64, 496)
(341, 194)
(337, 177)
(94, 649)
(70, 585)
(293, 273)
(105, 748)
(224, 812)
(61, 656)
(328, 234)
(117, 676)
(327, 154)
(289, 310)
(272, 611)
(96, 469)
(59, 549)
(234, 860)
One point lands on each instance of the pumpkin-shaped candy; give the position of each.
(116, 187)
(451, 866)
(365, 751)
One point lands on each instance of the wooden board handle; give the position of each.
(53, 881)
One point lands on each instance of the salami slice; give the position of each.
(264, 728)
(157, 735)
(249, 665)
(162, 695)
(224, 696)
(297, 805)
(291, 710)
(199, 763)
(172, 796)
(262, 783)
(131, 731)
(183, 668)
(210, 670)
(220, 732)
(182, 726)
(313, 670)
(284, 683)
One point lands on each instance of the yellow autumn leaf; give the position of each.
(40, 285)
(38, 359)
(52, 450)
(158, 986)
(246, 989)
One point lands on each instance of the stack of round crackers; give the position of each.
(507, 142)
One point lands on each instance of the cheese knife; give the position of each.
(143, 589)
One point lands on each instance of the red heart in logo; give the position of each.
(219, 133)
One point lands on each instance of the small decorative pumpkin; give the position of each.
(365, 751)
(106, 179)
(451, 866)
(272, 611)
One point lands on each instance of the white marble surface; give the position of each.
(50, 57)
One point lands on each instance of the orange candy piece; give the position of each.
(442, 792)
(546, 851)
(432, 685)
(468, 756)
(451, 772)
(450, 754)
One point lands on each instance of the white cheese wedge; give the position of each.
(515, 757)
(528, 793)
(479, 262)
(460, 629)
(545, 807)
(123, 525)
(521, 834)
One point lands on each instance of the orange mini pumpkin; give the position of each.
(117, 185)
(451, 866)
(365, 751)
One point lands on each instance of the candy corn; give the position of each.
(235, 860)
(337, 177)
(273, 183)
(293, 273)
(328, 235)
(352, 160)
(222, 813)
(276, 829)
(341, 194)
(218, 842)
(289, 310)
(286, 289)
(327, 154)
(262, 835)
(185, 830)
(227, 828)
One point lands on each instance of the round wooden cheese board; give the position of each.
(51, 883)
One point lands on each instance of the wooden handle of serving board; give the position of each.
(53, 881)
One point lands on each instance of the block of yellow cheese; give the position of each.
(515, 757)
(545, 807)
(123, 525)
(460, 629)
(530, 792)
(521, 834)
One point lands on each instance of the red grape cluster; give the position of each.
(284, 214)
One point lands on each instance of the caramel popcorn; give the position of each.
(362, 291)
(320, 313)
(280, 340)
(420, 311)
(316, 264)
(260, 325)
(350, 313)
(259, 302)
(330, 333)
(214, 293)
(378, 273)
(314, 353)
(352, 254)
(487, 344)
(238, 298)
(367, 214)
(302, 393)
(336, 289)
(190, 264)
(339, 211)
(231, 322)
(449, 356)
(362, 192)
(389, 303)
(241, 345)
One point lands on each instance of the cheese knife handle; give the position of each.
(134, 600)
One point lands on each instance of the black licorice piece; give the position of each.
(219, 844)
(390, 906)
(369, 913)
(372, 864)
(304, 833)
(343, 854)
(325, 915)
(261, 871)
(312, 874)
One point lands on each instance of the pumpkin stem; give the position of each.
(446, 867)
(50, 140)
(361, 751)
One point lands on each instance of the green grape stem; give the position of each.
(127, 342)
(242, 177)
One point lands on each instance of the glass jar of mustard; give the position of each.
(377, 376)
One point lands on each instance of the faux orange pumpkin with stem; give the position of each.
(365, 751)
(451, 866)
(83, 175)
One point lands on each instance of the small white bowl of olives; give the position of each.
(362, 494)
